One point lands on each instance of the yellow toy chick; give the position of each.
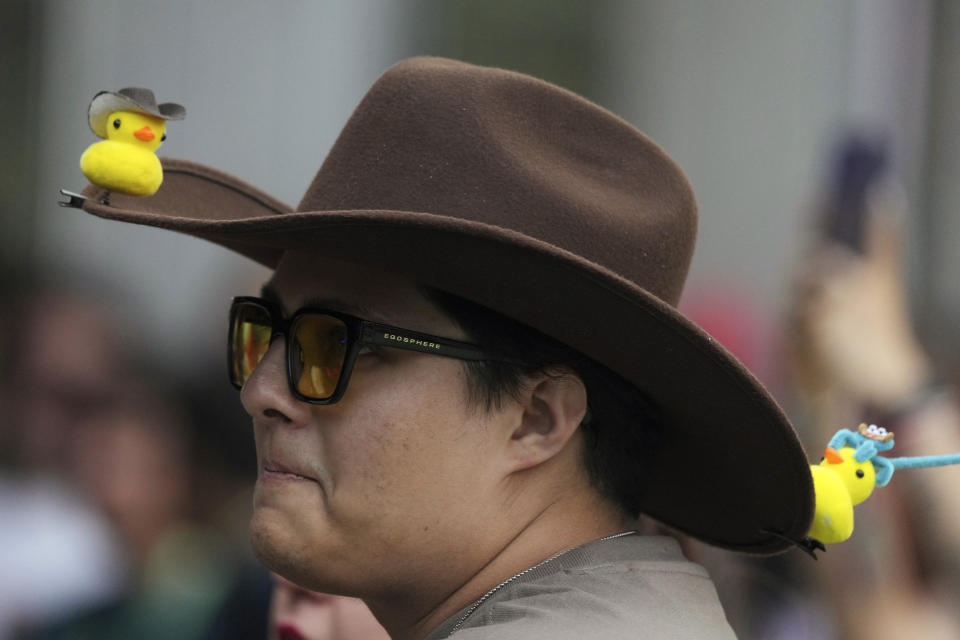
(134, 126)
(839, 482)
(852, 467)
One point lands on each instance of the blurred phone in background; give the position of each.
(859, 165)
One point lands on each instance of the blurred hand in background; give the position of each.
(854, 335)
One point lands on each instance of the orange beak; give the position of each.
(145, 134)
(832, 456)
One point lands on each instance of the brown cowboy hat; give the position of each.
(534, 202)
(129, 99)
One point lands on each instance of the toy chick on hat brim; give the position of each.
(134, 127)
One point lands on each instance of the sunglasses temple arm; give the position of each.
(387, 336)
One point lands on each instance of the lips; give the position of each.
(278, 470)
(287, 631)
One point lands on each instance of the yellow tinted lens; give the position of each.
(318, 350)
(250, 340)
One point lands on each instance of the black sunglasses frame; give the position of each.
(360, 332)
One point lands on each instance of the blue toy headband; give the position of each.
(870, 441)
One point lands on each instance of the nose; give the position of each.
(266, 395)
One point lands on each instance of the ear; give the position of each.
(553, 407)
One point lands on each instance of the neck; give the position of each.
(562, 525)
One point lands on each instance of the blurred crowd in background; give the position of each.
(124, 494)
(820, 138)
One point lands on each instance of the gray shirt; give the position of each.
(627, 586)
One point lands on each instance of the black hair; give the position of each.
(622, 426)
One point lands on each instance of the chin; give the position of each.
(284, 547)
(275, 542)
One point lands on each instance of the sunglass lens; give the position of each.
(318, 350)
(250, 333)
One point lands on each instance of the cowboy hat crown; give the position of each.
(532, 201)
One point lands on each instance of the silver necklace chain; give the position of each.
(487, 595)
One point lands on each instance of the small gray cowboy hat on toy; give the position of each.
(129, 99)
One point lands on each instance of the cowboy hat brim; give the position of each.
(729, 470)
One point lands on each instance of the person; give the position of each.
(854, 352)
(59, 361)
(299, 614)
(467, 376)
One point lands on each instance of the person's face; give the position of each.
(299, 614)
(135, 468)
(392, 485)
(69, 363)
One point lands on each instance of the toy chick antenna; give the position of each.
(850, 470)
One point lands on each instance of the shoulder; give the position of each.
(644, 587)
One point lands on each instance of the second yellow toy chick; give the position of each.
(840, 482)
(134, 126)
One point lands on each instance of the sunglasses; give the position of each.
(322, 345)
